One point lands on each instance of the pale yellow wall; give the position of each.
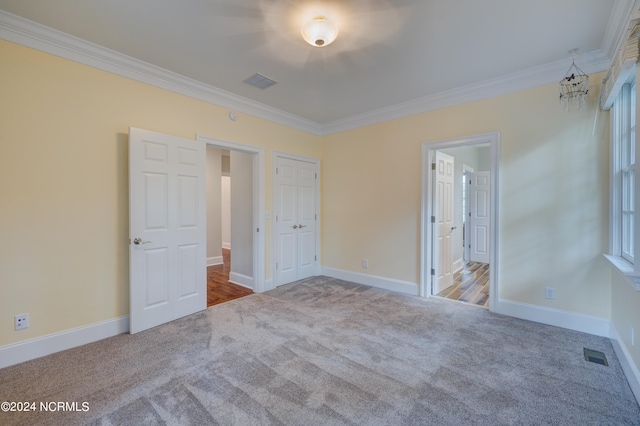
(553, 196)
(64, 189)
(64, 200)
(625, 313)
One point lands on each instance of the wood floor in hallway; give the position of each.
(470, 285)
(219, 289)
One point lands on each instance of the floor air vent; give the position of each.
(595, 356)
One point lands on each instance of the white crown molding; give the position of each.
(31, 34)
(533, 77)
(617, 26)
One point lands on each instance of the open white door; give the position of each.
(167, 225)
(443, 221)
(479, 219)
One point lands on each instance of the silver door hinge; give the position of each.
(315, 257)
(316, 217)
(257, 229)
(433, 271)
(316, 176)
(433, 219)
(433, 166)
(276, 170)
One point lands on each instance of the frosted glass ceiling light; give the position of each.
(319, 32)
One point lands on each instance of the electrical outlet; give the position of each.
(22, 321)
(550, 292)
(365, 263)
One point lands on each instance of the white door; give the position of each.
(296, 220)
(443, 222)
(479, 202)
(167, 225)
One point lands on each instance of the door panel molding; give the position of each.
(311, 265)
(443, 221)
(167, 225)
(426, 234)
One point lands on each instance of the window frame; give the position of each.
(624, 115)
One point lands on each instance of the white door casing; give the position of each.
(167, 223)
(259, 283)
(443, 223)
(296, 219)
(479, 219)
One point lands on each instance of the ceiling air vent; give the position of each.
(260, 81)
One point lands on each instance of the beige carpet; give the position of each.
(324, 351)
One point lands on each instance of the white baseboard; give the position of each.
(268, 284)
(240, 279)
(216, 260)
(457, 265)
(399, 286)
(226, 246)
(573, 321)
(56, 342)
(628, 366)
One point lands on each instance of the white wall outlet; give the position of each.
(22, 321)
(550, 292)
(365, 263)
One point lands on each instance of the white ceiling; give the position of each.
(388, 52)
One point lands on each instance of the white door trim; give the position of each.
(428, 149)
(274, 205)
(258, 203)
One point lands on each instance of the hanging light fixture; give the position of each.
(319, 32)
(574, 87)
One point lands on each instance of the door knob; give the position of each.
(453, 227)
(302, 226)
(138, 241)
(295, 226)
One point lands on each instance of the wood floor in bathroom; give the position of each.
(470, 285)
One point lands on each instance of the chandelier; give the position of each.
(574, 87)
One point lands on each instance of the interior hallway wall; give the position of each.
(242, 231)
(214, 207)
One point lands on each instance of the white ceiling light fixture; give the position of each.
(319, 31)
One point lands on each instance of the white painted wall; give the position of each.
(214, 232)
(241, 216)
(225, 207)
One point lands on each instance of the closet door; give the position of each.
(296, 218)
